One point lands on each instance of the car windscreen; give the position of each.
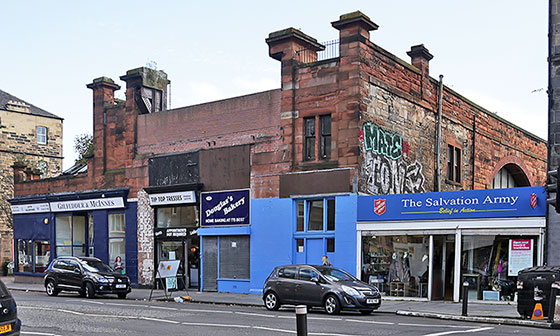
(95, 266)
(335, 274)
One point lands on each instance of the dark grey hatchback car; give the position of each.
(319, 286)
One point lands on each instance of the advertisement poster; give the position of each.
(520, 255)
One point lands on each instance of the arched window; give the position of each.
(510, 176)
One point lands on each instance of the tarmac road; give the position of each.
(69, 314)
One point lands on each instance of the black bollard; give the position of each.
(552, 302)
(301, 320)
(465, 297)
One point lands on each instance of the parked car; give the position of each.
(87, 276)
(319, 286)
(9, 322)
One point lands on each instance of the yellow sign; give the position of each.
(538, 312)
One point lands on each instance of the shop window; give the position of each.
(300, 216)
(491, 263)
(41, 135)
(90, 236)
(315, 215)
(309, 150)
(25, 259)
(179, 216)
(71, 236)
(117, 229)
(330, 244)
(42, 255)
(454, 164)
(397, 265)
(300, 246)
(234, 257)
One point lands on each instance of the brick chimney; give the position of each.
(146, 90)
(420, 58)
(103, 96)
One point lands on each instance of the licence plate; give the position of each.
(372, 301)
(5, 328)
(120, 286)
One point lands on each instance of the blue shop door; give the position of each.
(315, 251)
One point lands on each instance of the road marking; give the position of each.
(324, 318)
(372, 322)
(157, 320)
(37, 333)
(70, 312)
(460, 331)
(255, 314)
(433, 326)
(207, 311)
(287, 317)
(274, 329)
(163, 308)
(325, 334)
(216, 325)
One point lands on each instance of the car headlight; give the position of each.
(350, 291)
(101, 279)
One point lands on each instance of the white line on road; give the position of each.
(37, 333)
(202, 324)
(433, 326)
(274, 329)
(157, 320)
(459, 331)
(372, 322)
(207, 311)
(255, 314)
(324, 318)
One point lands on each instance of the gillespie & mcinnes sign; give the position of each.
(487, 203)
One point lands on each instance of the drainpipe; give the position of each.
(473, 149)
(438, 140)
(293, 115)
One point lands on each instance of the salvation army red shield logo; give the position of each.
(533, 200)
(379, 206)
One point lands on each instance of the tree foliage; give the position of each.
(83, 146)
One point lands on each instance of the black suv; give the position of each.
(325, 286)
(87, 276)
(9, 323)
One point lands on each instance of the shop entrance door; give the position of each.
(192, 252)
(173, 250)
(443, 265)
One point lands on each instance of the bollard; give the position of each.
(465, 297)
(552, 302)
(301, 320)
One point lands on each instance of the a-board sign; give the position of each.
(167, 268)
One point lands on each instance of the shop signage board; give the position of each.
(30, 208)
(179, 197)
(469, 204)
(88, 204)
(225, 208)
(520, 255)
(175, 232)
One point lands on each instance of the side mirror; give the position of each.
(315, 279)
(77, 271)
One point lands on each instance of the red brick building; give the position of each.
(364, 121)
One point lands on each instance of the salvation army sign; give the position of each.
(488, 203)
(225, 208)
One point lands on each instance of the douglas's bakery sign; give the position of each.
(510, 202)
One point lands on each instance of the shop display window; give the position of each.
(25, 261)
(33, 255)
(117, 228)
(42, 255)
(491, 263)
(71, 236)
(397, 265)
(179, 216)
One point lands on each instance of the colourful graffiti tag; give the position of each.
(381, 142)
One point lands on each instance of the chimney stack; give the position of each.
(421, 57)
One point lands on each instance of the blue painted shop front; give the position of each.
(100, 224)
(281, 231)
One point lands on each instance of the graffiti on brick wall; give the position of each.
(145, 239)
(385, 169)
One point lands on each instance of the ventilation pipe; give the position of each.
(438, 139)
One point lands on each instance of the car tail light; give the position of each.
(519, 284)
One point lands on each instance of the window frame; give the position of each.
(328, 212)
(120, 235)
(454, 163)
(40, 135)
(317, 137)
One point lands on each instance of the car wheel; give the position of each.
(271, 301)
(51, 288)
(366, 312)
(122, 296)
(89, 290)
(332, 306)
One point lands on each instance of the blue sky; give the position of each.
(492, 52)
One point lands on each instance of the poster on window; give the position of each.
(520, 255)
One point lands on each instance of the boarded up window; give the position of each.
(234, 257)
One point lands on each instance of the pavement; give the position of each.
(478, 311)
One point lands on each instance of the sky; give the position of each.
(492, 52)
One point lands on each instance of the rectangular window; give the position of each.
(315, 220)
(234, 257)
(325, 136)
(330, 214)
(309, 144)
(300, 216)
(454, 164)
(299, 246)
(42, 255)
(179, 216)
(117, 234)
(24, 255)
(330, 244)
(70, 236)
(41, 135)
(90, 236)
